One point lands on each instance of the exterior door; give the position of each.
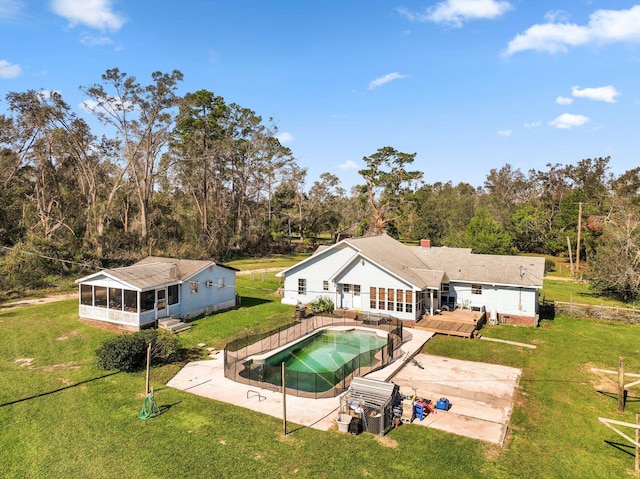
(161, 303)
(345, 296)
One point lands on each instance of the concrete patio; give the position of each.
(481, 394)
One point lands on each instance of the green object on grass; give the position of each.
(149, 408)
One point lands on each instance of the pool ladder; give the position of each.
(256, 393)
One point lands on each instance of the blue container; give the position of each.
(443, 404)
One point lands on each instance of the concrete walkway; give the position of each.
(481, 394)
(206, 378)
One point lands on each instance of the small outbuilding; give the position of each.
(140, 295)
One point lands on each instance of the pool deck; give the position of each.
(206, 378)
(481, 395)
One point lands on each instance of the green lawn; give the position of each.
(272, 261)
(569, 291)
(61, 417)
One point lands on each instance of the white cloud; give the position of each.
(605, 26)
(348, 165)
(111, 105)
(456, 12)
(10, 8)
(96, 14)
(504, 133)
(568, 120)
(563, 100)
(533, 124)
(556, 16)
(285, 137)
(9, 70)
(385, 79)
(91, 41)
(604, 93)
(47, 94)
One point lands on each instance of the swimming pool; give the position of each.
(319, 362)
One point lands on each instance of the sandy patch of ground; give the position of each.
(30, 302)
(24, 362)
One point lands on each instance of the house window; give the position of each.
(130, 301)
(302, 286)
(346, 288)
(399, 300)
(221, 283)
(445, 287)
(356, 290)
(381, 298)
(476, 289)
(373, 303)
(390, 305)
(100, 296)
(86, 294)
(173, 294)
(194, 286)
(115, 298)
(148, 300)
(409, 302)
(325, 285)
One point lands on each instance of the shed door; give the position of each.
(161, 302)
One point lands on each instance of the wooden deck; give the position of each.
(460, 322)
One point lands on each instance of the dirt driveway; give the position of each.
(481, 394)
(29, 302)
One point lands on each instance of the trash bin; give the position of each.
(343, 422)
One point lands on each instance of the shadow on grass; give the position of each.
(58, 390)
(249, 302)
(626, 448)
(614, 395)
(164, 408)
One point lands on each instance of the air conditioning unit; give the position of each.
(209, 284)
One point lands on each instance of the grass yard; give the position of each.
(273, 261)
(569, 291)
(61, 417)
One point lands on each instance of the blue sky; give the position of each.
(468, 85)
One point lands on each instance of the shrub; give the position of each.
(128, 352)
(549, 265)
(322, 303)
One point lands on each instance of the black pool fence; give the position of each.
(243, 361)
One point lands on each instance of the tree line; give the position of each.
(193, 176)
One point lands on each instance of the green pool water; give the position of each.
(319, 362)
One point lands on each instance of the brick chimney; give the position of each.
(425, 243)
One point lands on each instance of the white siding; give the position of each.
(501, 299)
(351, 271)
(317, 269)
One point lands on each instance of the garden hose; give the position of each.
(149, 408)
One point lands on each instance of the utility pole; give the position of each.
(570, 256)
(579, 231)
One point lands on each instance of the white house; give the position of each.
(378, 274)
(154, 288)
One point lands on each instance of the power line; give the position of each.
(83, 265)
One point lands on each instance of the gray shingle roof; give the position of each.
(399, 259)
(428, 267)
(155, 271)
(463, 265)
